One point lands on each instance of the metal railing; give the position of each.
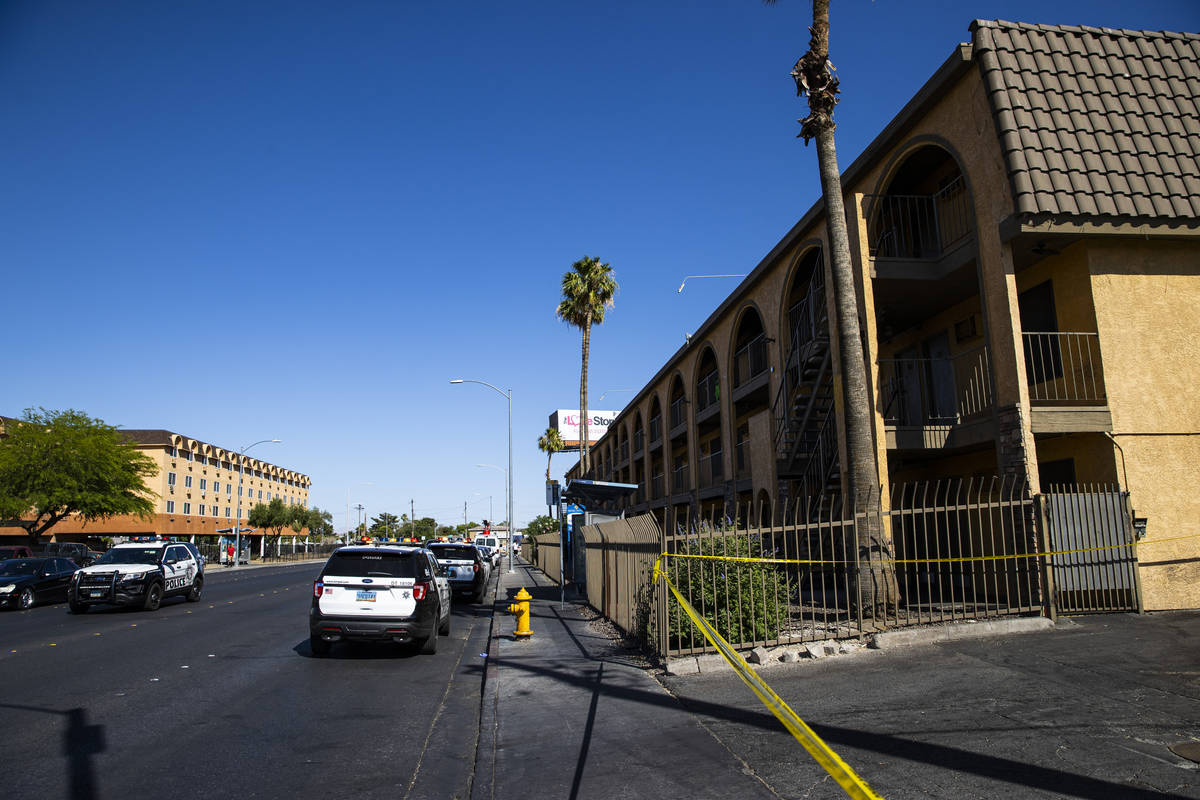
(741, 458)
(946, 551)
(680, 480)
(678, 412)
(657, 485)
(936, 391)
(750, 361)
(708, 391)
(638, 440)
(1064, 368)
(712, 469)
(919, 227)
(623, 452)
(655, 429)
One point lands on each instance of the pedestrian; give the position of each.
(229, 551)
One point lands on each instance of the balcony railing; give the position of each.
(750, 361)
(679, 479)
(1064, 368)
(936, 391)
(637, 440)
(657, 485)
(712, 469)
(708, 391)
(655, 429)
(678, 412)
(623, 452)
(919, 227)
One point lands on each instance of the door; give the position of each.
(908, 380)
(940, 375)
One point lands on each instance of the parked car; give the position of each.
(387, 593)
(25, 582)
(15, 551)
(467, 568)
(76, 551)
(138, 573)
(492, 554)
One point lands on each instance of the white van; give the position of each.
(494, 543)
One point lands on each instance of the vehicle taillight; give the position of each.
(420, 590)
(478, 565)
(318, 588)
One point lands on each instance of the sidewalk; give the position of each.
(569, 714)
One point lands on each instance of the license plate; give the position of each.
(96, 594)
(368, 596)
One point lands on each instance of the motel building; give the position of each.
(196, 495)
(1025, 240)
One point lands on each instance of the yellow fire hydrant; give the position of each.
(521, 609)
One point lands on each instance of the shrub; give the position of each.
(745, 601)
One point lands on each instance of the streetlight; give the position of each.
(689, 277)
(508, 474)
(237, 533)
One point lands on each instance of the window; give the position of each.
(216, 510)
(216, 486)
(268, 497)
(187, 508)
(239, 491)
(173, 452)
(260, 494)
(229, 488)
(170, 479)
(227, 514)
(191, 456)
(202, 509)
(170, 506)
(187, 481)
(204, 484)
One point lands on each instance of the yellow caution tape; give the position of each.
(839, 770)
(954, 560)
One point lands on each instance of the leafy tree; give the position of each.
(588, 289)
(813, 73)
(385, 525)
(540, 525)
(272, 517)
(318, 522)
(426, 528)
(550, 443)
(54, 464)
(462, 529)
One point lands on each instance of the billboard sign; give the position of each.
(566, 422)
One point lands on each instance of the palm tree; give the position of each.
(588, 289)
(550, 443)
(814, 76)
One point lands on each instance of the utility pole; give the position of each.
(412, 516)
(360, 508)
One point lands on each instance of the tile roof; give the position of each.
(1095, 122)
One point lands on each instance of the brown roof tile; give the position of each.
(1095, 121)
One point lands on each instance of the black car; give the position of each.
(25, 582)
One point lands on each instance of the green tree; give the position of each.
(550, 443)
(54, 464)
(319, 523)
(426, 528)
(272, 517)
(385, 525)
(588, 289)
(540, 525)
(814, 77)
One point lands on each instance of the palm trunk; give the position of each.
(584, 460)
(876, 582)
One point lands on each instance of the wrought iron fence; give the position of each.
(1064, 368)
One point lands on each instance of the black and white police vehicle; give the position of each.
(385, 593)
(137, 574)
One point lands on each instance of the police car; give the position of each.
(386, 593)
(138, 573)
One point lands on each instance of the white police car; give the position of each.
(388, 593)
(138, 573)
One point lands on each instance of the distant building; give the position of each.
(197, 491)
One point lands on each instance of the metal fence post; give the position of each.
(1049, 603)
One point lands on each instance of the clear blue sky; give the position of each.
(246, 220)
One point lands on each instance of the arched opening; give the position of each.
(710, 462)
(749, 349)
(657, 466)
(680, 473)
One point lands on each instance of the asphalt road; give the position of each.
(222, 697)
(1087, 710)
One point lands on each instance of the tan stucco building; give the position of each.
(196, 490)
(1026, 240)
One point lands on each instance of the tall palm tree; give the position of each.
(550, 443)
(588, 289)
(814, 76)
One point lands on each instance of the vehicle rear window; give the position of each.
(371, 565)
(465, 552)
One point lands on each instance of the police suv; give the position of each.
(387, 593)
(141, 573)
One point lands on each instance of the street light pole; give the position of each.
(237, 523)
(508, 396)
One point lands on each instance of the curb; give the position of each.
(889, 640)
(485, 745)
